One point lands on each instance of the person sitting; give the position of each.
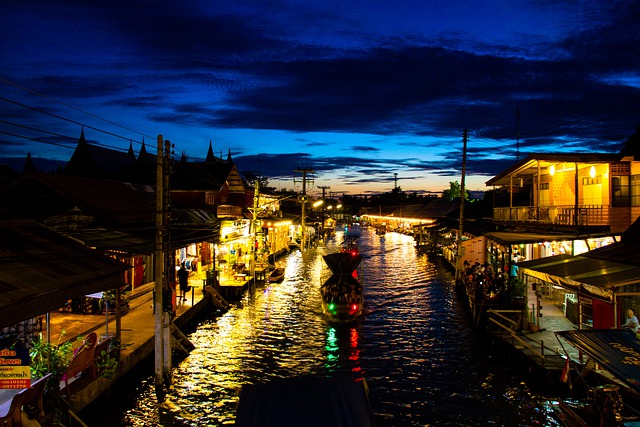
(632, 322)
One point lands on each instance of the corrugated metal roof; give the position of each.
(41, 269)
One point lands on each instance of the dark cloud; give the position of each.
(301, 68)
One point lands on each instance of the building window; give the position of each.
(592, 181)
(620, 191)
(544, 186)
(635, 190)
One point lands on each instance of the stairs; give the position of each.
(216, 299)
(179, 341)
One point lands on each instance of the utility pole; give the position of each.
(465, 136)
(161, 298)
(324, 188)
(168, 284)
(254, 228)
(158, 273)
(303, 201)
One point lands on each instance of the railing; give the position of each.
(561, 215)
(509, 325)
(229, 211)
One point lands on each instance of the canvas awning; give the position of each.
(595, 277)
(42, 269)
(615, 350)
(515, 238)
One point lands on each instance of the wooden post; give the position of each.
(159, 273)
(461, 223)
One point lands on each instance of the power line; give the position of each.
(64, 118)
(72, 107)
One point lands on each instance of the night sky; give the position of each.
(356, 90)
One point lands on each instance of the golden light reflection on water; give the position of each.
(412, 345)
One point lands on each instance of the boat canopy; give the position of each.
(305, 401)
(615, 350)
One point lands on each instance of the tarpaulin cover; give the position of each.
(616, 350)
(342, 266)
(305, 401)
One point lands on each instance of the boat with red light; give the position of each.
(342, 293)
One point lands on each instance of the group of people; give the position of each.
(482, 280)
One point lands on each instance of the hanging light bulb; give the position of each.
(592, 172)
(552, 170)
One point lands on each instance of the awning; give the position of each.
(615, 350)
(515, 238)
(42, 269)
(595, 277)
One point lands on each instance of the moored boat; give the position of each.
(342, 294)
(613, 391)
(277, 275)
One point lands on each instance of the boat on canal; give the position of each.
(276, 275)
(350, 244)
(342, 293)
(310, 401)
(613, 392)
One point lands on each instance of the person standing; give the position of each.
(632, 322)
(183, 281)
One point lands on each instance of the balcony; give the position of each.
(555, 215)
(229, 211)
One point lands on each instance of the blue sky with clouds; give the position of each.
(358, 91)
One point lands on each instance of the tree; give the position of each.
(251, 177)
(453, 193)
(631, 146)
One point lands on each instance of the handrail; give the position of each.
(512, 332)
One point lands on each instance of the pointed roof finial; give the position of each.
(82, 140)
(229, 156)
(28, 165)
(210, 157)
(142, 155)
(130, 152)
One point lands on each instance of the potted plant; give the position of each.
(108, 301)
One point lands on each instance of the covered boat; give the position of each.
(614, 400)
(305, 401)
(342, 293)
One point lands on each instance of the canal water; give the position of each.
(414, 346)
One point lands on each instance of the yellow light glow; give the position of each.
(318, 203)
(401, 219)
(592, 172)
(552, 170)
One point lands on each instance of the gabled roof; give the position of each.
(626, 251)
(530, 164)
(42, 269)
(111, 202)
(437, 208)
(89, 160)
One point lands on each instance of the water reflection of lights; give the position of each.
(332, 346)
